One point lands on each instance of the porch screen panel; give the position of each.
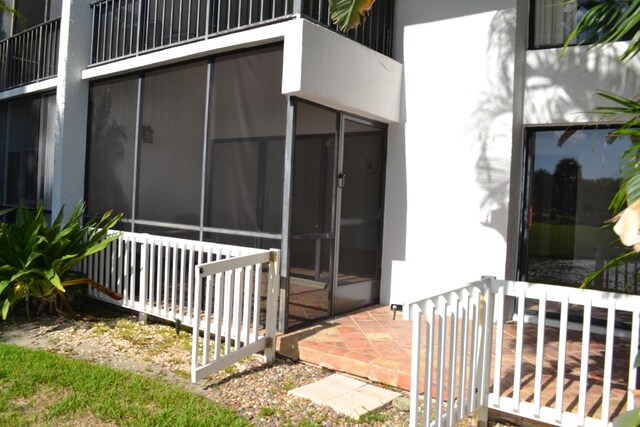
(33, 13)
(112, 132)
(245, 158)
(573, 177)
(5, 26)
(21, 162)
(54, 10)
(3, 132)
(46, 149)
(171, 144)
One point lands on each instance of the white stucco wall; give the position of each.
(324, 67)
(449, 158)
(72, 102)
(562, 89)
(454, 167)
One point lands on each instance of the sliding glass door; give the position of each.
(360, 189)
(336, 221)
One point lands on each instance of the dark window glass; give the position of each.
(171, 144)
(554, 20)
(245, 158)
(112, 132)
(573, 177)
(33, 13)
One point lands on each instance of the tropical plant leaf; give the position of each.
(8, 302)
(633, 189)
(36, 256)
(55, 280)
(612, 263)
(3, 285)
(607, 22)
(347, 14)
(6, 211)
(627, 419)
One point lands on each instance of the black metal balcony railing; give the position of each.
(124, 28)
(30, 56)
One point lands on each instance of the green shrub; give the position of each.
(36, 257)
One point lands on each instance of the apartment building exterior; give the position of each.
(440, 142)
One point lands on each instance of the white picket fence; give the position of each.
(453, 365)
(213, 288)
(459, 378)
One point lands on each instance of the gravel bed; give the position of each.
(258, 392)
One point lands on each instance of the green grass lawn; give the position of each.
(40, 388)
(567, 241)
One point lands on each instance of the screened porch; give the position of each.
(212, 151)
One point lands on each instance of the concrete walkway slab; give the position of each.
(346, 395)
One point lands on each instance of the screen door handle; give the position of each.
(341, 179)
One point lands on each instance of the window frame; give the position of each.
(526, 196)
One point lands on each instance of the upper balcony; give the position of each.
(30, 56)
(125, 28)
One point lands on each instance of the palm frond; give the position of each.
(608, 22)
(347, 14)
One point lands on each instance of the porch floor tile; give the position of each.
(346, 395)
(370, 344)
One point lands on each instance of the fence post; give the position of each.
(485, 359)
(144, 279)
(273, 290)
(195, 324)
(416, 344)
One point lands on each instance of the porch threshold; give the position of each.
(367, 343)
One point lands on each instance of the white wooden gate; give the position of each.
(230, 320)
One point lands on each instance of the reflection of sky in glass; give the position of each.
(589, 147)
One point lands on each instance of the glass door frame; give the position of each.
(287, 211)
(343, 118)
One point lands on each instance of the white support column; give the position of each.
(72, 105)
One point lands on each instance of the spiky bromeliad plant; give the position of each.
(36, 257)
